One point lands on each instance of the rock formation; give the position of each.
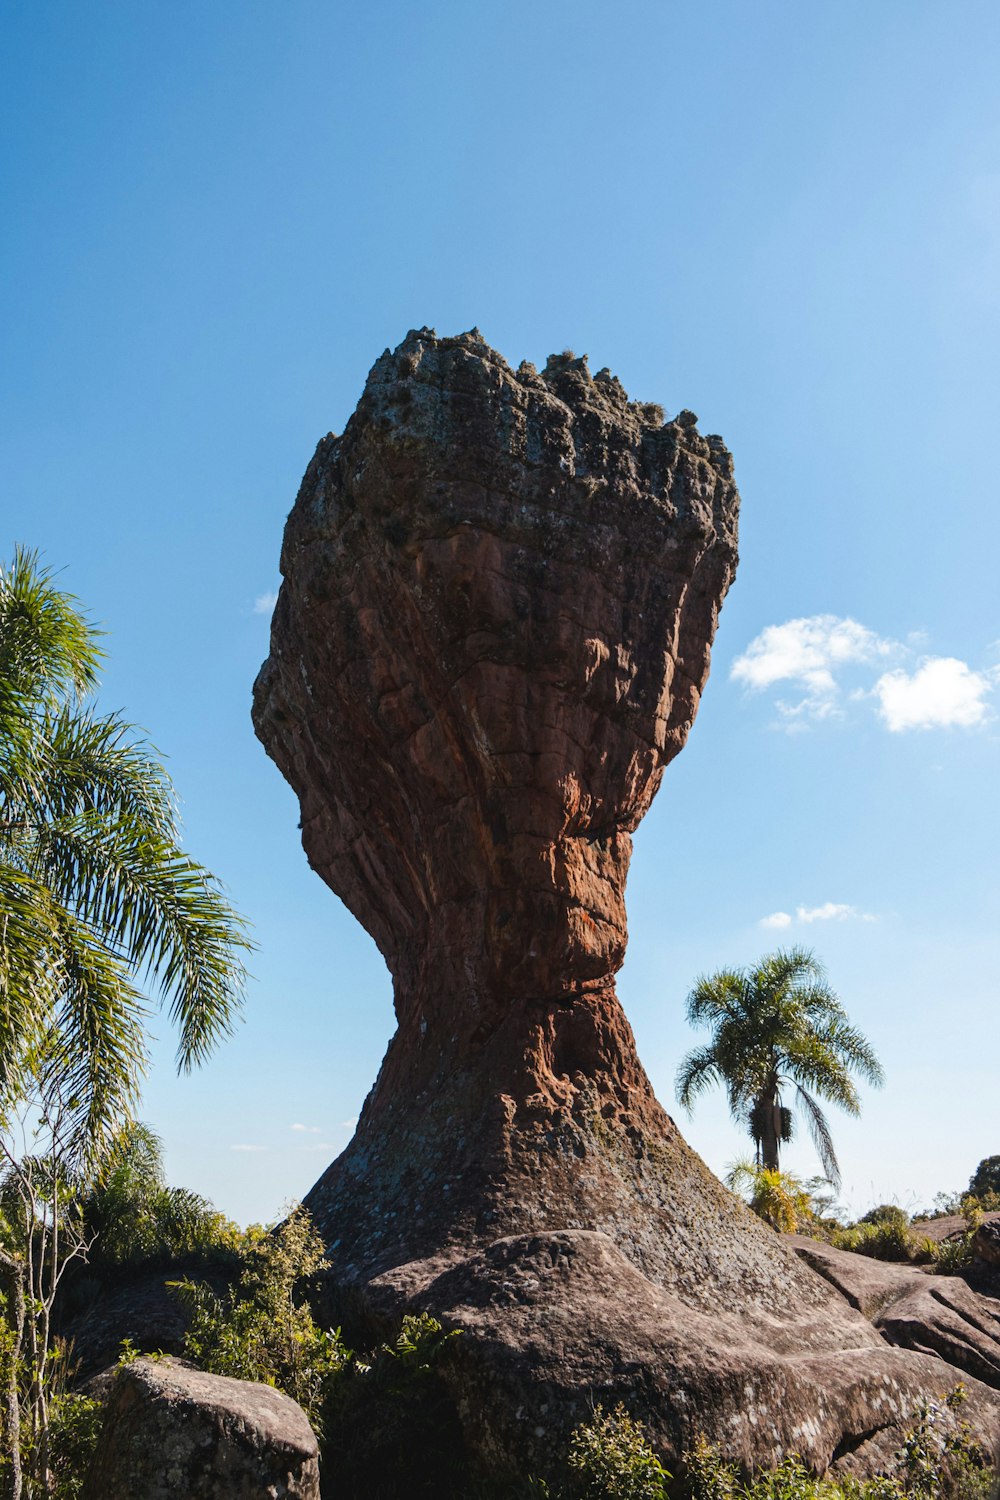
(171, 1431)
(500, 593)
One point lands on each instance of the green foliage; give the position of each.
(779, 1198)
(886, 1213)
(263, 1330)
(955, 1253)
(937, 1460)
(97, 897)
(132, 1217)
(886, 1240)
(610, 1459)
(986, 1178)
(777, 1026)
(886, 1233)
(74, 1427)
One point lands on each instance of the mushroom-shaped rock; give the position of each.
(171, 1431)
(500, 593)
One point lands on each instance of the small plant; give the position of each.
(779, 1198)
(937, 1460)
(611, 1459)
(884, 1233)
(74, 1426)
(263, 1330)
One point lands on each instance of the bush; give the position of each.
(937, 1460)
(888, 1239)
(610, 1459)
(886, 1213)
(75, 1424)
(132, 1218)
(779, 1198)
(262, 1330)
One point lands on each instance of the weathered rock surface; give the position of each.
(916, 1309)
(174, 1433)
(500, 593)
(986, 1242)
(556, 1322)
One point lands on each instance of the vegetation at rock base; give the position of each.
(777, 1027)
(99, 905)
(937, 1460)
(263, 1329)
(132, 1217)
(779, 1198)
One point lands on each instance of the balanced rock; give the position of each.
(500, 594)
(174, 1433)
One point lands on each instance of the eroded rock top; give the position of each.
(500, 594)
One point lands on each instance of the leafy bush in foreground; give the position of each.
(610, 1457)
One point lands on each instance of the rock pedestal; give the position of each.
(500, 593)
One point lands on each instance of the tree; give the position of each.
(986, 1178)
(777, 1026)
(99, 904)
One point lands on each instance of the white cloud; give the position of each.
(942, 692)
(307, 1129)
(264, 604)
(248, 1148)
(808, 652)
(830, 911)
(349, 1124)
(319, 1146)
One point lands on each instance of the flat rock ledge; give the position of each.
(174, 1433)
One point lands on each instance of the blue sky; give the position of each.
(784, 217)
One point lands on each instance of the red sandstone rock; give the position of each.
(500, 593)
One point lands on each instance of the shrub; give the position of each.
(74, 1426)
(262, 1330)
(133, 1218)
(779, 1198)
(937, 1460)
(610, 1459)
(884, 1234)
(886, 1213)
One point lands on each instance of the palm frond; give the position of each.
(697, 1072)
(819, 1129)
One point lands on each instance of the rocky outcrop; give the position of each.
(916, 1309)
(500, 593)
(172, 1431)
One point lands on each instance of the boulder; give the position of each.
(986, 1242)
(174, 1433)
(500, 592)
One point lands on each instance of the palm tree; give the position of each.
(776, 1027)
(98, 901)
